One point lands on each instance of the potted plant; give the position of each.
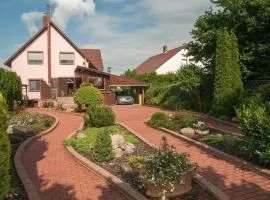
(167, 173)
(201, 129)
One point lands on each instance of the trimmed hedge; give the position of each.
(88, 95)
(100, 116)
(11, 87)
(4, 150)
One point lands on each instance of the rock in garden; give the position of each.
(118, 141)
(189, 132)
(129, 148)
(118, 152)
(10, 129)
(81, 135)
(126, 168)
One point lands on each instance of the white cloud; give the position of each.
(64, 10)
(30, 19)
(136, 31)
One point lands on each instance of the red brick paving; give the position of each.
(56, 174)
(237, 183)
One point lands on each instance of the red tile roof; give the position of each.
(123, 81)
(94, 55)
(154, 62)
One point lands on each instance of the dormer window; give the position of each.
(66, 58)
(35, 58)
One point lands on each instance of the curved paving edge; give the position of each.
(219, 153)
(31, 190)
(123, 187)
(219, 194)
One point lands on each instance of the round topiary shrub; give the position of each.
(100, 116)
(4, 150)
(88, 95)
(102, 149)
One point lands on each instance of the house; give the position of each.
(167, 61)
(51, 65)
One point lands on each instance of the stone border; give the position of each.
(121, 186)
(219, 194)
(28, 184)
(220, 154)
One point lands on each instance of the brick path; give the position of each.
(56, 174)
(237, 183)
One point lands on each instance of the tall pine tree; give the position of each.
(227, 82)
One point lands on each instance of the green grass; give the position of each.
(83, 145)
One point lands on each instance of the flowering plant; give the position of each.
(166, 168)
(200, 126)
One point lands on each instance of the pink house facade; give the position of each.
(51, 65)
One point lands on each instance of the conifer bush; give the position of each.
(4, 150)
(102, 149)
(100, 116)
(227, 81)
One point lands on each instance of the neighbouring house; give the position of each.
(52, 66)
(167, 61)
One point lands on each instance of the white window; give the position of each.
(35, 58)
(34, 85)
(66, 58)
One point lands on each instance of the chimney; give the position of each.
(44, 20)
(165, 49)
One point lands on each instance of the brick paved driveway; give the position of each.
(237, 183)
(56, 174)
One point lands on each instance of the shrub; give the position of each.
(136, 162)
(88, 95)
(254, 122)
(227, 84)
(4, 150)
(11, 87)
(166, 168)
(102, 149)
(158, 120)
(264, 92)
(100, 116)
(48, 104)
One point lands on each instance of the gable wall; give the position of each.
(173, 64)
(25, 71)
(59, 44)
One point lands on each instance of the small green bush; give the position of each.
(4, 150)
(100, 116)
(136, 162)
(102, 149)
(264, 92)
(48, 104)
(88, 95)
(158, 120)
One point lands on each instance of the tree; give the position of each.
(4, 150)
(227, 76)
(249, 20)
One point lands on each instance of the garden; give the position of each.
(148, 170)
(16, 127)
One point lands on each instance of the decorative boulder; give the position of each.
(189, 132)
(126, 168)
(118, 152)
(129, 148)
(118, 141)
(10, 129)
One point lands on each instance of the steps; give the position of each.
(68, 103)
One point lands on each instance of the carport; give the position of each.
(127, 86)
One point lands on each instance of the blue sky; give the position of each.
(126, 31)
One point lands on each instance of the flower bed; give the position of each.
(128, 166)
(23, 126)
(190, 126)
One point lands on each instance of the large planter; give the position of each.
(179, 189)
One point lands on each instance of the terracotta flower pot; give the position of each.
(179, 189)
